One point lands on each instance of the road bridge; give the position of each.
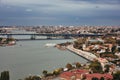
(49, 35)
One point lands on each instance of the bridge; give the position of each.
(49, 35)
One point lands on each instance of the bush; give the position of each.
(116, 76)
(107, 68)
(96, 67)
(33, 78)
(78, 65)
(45, 73)
(69, 66)
(56, 72)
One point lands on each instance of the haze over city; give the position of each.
(60, 12)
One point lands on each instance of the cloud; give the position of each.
(28, 10)
(60, 11)
(64, 5)
(98, 1)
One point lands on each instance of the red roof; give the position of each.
(77, 73)
(108, 76)
(98, 75)
(80, 71)
(67, 75)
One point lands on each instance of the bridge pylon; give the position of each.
(49, 37)
(9, 36)
(66, 37)
(33, 37)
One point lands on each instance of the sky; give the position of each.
(60, 12)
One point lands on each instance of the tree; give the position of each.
(78, 65)
(118, 42)
(107, 68)
(56, 72)
(1, 39)
(5, 75)
(113, 49)
(119, 49)
(9, 39)
(102, 78)
(69, 66)
(96, 67)
(33, 78)
(116, 76)
(94, 78)
(45, 72)
(79, 42)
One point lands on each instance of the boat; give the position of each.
(50, 44)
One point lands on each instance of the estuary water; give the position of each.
(32, 57)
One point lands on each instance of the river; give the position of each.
(32, 57)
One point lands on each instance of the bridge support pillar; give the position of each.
(33, 37)
(9, 36)
(49, 37)
(66, 37)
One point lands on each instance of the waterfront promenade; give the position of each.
(87, 55)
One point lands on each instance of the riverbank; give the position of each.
(62, 46)
(87, 55)
(7, 41)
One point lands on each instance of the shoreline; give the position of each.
(79, 55)
(87, 55)
(9, 44)
(62, 46)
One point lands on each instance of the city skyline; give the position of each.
(60, 12)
